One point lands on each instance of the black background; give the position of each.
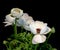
(47, 11)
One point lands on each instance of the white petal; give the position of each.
(23, 18)
(5, 22)
(27, 19)
(33, 28)
(9, 18)
(38, 39)
(25, 14)
(47, 31)
(8, 24)
(20, 22)
(16, 12)
(26, 27)
(44, 29)
(27, 24)
(33, 42)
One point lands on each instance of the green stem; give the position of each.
(36, 47)
(15, 27)
(45, 44)
(48, 36)
(50, 47)
(31, 47)
(7, 47)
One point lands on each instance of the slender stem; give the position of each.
(15, 27)
(48, 36)
(7, 47)
(45, 44)
(49, 46)
(36, 47)
(10, 48)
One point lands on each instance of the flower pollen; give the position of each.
(17, 10)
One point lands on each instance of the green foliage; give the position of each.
(23, 41)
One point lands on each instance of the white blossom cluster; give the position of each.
(38, 28)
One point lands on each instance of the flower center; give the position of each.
(11, 15)
(17, 10)
(38, 30)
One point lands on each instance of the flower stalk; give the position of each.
(48, 36)
(15, 27)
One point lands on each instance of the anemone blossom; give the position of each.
(39, 29)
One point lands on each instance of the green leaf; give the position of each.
(18, 48)
(14, 43)
(26, 46)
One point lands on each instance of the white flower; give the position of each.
(16, 12)
(38, 39)
(9, 20)
(39, 29)
(22, 19)
(25, 21)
